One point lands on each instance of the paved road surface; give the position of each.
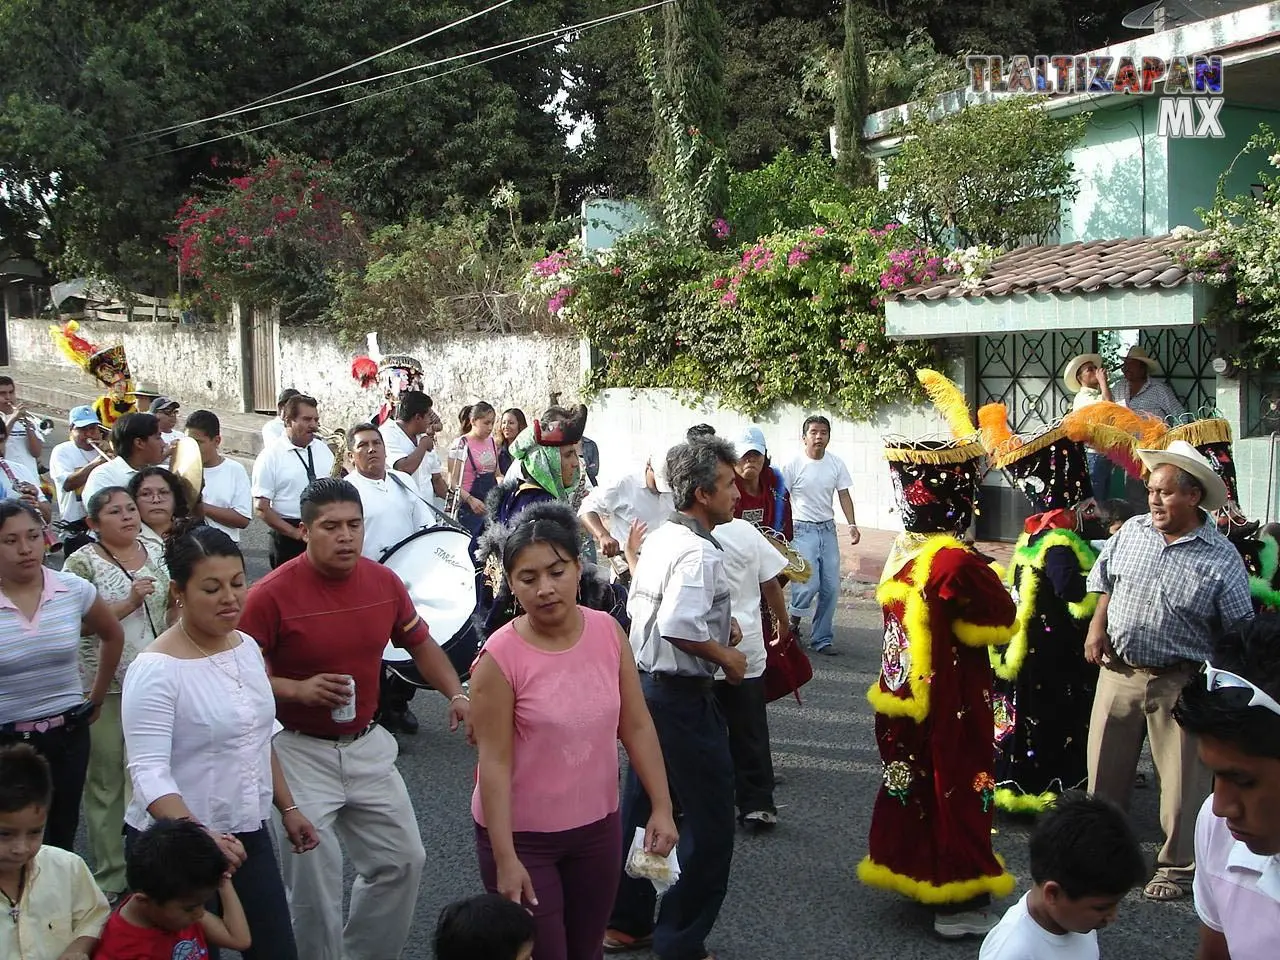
(793, 894)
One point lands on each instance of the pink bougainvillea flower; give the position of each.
(729, 299)
(819, 231)
(720, 283)
(720, 227)
(861, 347)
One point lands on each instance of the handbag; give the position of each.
(787, 667)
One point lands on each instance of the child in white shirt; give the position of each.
(1084, 860)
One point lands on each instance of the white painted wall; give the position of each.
(627, 424)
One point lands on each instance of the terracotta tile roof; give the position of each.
(1132, 263)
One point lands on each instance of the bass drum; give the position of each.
(436, 569)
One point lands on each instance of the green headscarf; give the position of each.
(541, 464)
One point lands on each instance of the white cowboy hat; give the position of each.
(1137, 353)
(1071, 375)
(1184, 456)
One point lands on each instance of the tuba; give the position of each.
(798, 569)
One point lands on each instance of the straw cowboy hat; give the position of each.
(1071, 374)
(1137, 353)
(1184, 456)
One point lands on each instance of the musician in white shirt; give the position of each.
(227, 499)
(28, 441)
(283, 470)
(136, 441)
(273, 429)
(21, 480)
(411, 440)
(393, 509)
(71, 462)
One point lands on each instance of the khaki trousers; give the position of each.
(1131, 703)
(353, 794)
(107, 792)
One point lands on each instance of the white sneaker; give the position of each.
(956, 926)
(759, 820)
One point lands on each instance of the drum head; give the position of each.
(436, 569)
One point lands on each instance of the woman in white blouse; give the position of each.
(131, 577)
(199, 716)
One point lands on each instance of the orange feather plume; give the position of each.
(993, 426)
(1116, 432)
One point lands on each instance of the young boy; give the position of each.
(487, 927)
(174, 868)
(1084, 859)
(227, 497)
(55, 910)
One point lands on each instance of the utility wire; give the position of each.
(149, 134)
(555, 35)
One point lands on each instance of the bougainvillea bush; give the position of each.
(796, 316)
(277, 234)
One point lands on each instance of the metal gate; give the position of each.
(1021, 370)
(1185, 354)
(262, 347)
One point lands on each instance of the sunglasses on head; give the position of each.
(1216, 679)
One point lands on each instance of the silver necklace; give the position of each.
(208, 656)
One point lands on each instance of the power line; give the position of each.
(553, 37)
(332, 73)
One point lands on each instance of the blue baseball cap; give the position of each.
(752, 438)
(83, 416)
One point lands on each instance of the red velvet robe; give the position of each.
(931, 826)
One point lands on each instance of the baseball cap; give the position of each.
(83, 416)
(658, 461)
(162, 403)
(752, 438)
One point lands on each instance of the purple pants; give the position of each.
(575, 876)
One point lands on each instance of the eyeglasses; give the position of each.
(1216, 679)
(155, 495)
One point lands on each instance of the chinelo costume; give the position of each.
(1044, 686)
(1211, 436)
(108, 365)
(943, 606)
(392, 375)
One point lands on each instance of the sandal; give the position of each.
(615, 941)
(1163, 890)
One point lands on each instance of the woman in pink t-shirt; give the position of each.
(473, 467)
(551, 694)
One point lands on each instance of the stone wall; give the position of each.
(198, 364)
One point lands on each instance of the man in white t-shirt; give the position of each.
(273, 430)
(282, 471)
(410, 440)
(166, 410)
(227, 499)
(641, 496)
(27, 443)
(393, 509)
(816, 478)
(753, 565)
(135, 437)
(1232, 709)
(21, 480)
(70, 464)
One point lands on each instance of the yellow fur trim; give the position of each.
(953, 452)
(994, 427)
(1200, 432)
(877, 875)
(998, 569)
(982, 635)
(1007, 662)
(1011, 801)
(949, 401)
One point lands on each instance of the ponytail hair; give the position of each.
(464, 418)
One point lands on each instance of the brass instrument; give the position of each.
(798, 569)
(187, 465)
(336, 441)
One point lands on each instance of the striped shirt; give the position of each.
(680, 590)
(1168, 600)
(40, 659)
(1155, 397)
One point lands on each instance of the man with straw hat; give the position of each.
(1086, 377)
(1167, 584)
(1139, 392)
(943, 606)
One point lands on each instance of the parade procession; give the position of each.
(524, 480)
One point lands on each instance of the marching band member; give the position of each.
(411, 445)
(283, 470)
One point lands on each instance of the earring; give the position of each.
(179, 601)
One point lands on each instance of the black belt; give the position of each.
(336, 737)
(680, 680)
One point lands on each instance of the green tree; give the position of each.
(992, 174)
(851, 108)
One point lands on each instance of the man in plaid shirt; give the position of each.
(1168, 584)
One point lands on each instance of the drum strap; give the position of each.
(414, 493)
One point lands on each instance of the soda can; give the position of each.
(347, 712)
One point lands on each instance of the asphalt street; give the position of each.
(793, 893)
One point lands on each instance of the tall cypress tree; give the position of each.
(851, 106)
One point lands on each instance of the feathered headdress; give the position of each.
(365, 371)
(993, 424)
(949, 401)
(1116, 432)
(73, 346)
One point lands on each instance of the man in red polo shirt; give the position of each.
(320, 619)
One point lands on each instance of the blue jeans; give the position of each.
(695, 744)
(1099, 475)
(816, 542)
(261, 891)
